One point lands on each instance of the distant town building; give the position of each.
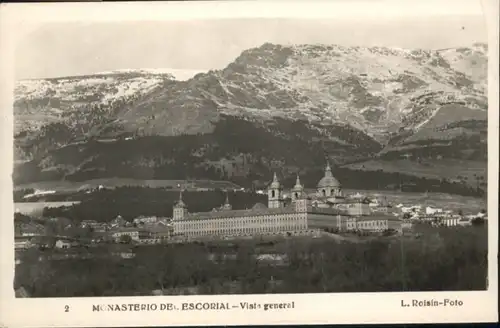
(450, 221)
(63, 244)
(29, 229)
(22, 242)
(145, 220)
(118, 222)
(429, 210)
(135, 234)
(380, 205)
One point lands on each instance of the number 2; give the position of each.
(66, 308)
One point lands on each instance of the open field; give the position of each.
(66, 186)
(468, 205)
(33, 208)
(445, 168)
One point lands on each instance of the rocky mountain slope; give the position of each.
(303, 101)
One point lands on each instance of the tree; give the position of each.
(477, 221)
(125, 239)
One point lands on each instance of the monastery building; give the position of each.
(325, 208)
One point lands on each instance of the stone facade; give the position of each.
(326, 208)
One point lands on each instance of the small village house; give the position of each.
(63, 244)
(136, 234)
(119, 221)
(146, 220)
(22, 242)
(30, 229)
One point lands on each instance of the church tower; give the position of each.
(274, 194)
(227, 206)
(297, 190)
(180, 209)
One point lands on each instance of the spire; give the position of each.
(227, 205)
(328, 170)
(298, 185)
(275, 184)
(180, 203)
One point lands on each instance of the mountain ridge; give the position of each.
(352, 103)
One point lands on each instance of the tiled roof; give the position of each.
(378, 217)
(124, 229)
(336, 199)
(159, 228)
(326, 211)
(239, 213)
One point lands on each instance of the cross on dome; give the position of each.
(328, 181)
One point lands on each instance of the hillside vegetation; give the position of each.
(275, 106)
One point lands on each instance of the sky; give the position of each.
(66, 48)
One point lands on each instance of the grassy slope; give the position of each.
(120, 182)
(445, 168)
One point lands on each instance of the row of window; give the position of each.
(281, 225)
(237, 225)
(334, 192)
(244, 230)
(372, 224)
(237, 222)
(260, 225)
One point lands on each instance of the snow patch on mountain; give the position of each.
(178, 74)
(376, 90)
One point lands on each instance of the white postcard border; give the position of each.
(341, 308)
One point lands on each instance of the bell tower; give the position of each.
(227, 206)
(180, 211)
(297, 190)
(274, 194)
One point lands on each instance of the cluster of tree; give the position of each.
(174, 157)
(444, 259)
(293, 143)
(25, 219)
(20, 193)
(130, 202)
(469, 147)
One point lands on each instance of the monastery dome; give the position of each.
(328, 181)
